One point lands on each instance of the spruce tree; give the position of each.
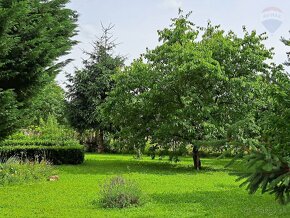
(89, 87)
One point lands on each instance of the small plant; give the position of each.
(119, 192)
(15, 171)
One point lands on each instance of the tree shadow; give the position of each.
(238, 203)
(116, 166)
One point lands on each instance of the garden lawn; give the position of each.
(174, 190)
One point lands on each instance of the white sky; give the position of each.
(137, 21)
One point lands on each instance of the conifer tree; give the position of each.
(269, 160)
(33, 35)
(89, 87)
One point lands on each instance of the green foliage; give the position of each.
(190, 89)
(119, 192)
(88, 90)
(47, 130)
(33, 35)
(203, 85)
(88, 87)
(29, 45)
(8, 113)
(159, 152)
(37, 142)
(49, 101)
(68, 153)
(52, 130)
(269, 158)
(15, 171)
(49, 141)
(270, 173)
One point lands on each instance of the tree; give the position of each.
(88, 88)
(49, 101)
(188, 90)
(33, 35)
(8, 113)
(269, 160)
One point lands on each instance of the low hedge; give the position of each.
(73, 154)
(37, 142)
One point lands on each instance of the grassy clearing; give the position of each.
(175, 190)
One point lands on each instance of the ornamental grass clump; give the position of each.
(119, 192)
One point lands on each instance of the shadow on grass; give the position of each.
(227, 201)
(115, 166)
(213, 198)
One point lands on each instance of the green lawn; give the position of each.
(174, 190)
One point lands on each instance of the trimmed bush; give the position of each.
(69, 154)
(37, 142)
(119, 192)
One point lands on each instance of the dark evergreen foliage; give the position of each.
(66, 154)
(33, 35)
(89, 87)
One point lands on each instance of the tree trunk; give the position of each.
(101, 146)
(196, 158)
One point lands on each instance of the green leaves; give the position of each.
(187, 89)
(9, 114)
(36, 45)
(270, 173)
(49, 101)
(89, 87)
(33, 35)
(204, 86)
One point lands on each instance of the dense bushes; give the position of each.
(66, 153)
(15, 171)
(49, 141)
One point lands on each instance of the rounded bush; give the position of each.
(119, 192)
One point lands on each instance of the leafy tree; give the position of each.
(8, 113)
(270, 158)
(190, 89)
(88, 89)
(203, 86)
(33, 35)
(50, 101)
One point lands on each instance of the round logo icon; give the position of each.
(272, 18)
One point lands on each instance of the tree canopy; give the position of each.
(203, 86)
(33, 35)
(49, 101)
(189, 89)
(89, 87)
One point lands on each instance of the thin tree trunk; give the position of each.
(101, 146)
(196, 158)
(94, 142)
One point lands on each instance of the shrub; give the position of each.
(119, 192)
(48, 130)
(68, 154)
(38, 142)
(15, 171)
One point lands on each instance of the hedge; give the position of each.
(73, 154)
(37, 142)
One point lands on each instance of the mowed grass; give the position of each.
(173, 190)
